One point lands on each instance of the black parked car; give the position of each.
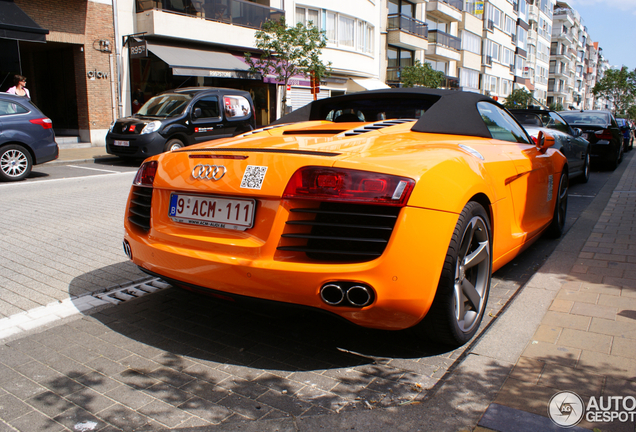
(602, 131)
(26, 137)
(568, 140)
(178, 118)
(628, 133)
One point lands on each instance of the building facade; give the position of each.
(70, 73)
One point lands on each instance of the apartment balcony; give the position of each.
(407, 32)
(563, 37)
(443, 46)
(564, 14)
(533, 13)
(561, 74)
(445, 10)
(226, 22)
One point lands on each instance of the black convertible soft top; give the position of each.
(439, 111)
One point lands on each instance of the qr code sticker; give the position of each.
(253, 177)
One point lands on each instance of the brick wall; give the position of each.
(81, 24)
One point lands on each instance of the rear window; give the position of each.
(9, 107)
(375, 109)
(582, 118)
(621, 122)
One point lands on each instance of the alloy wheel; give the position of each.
(14, 163)
(472, 274)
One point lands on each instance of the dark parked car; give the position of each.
(602, 131)
(178, 118)
(628, 133)
(568, 140)
(26, 137)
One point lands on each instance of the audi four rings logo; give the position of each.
(208, 172)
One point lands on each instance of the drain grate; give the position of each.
(120, 295)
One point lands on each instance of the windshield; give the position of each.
(165, 105)
(576, 117)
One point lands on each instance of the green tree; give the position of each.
(631, 112)
(556, 106)
(519, 98)
(422, 75)
(289, 51)
(618, 87)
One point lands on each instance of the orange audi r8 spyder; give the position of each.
(389, 208)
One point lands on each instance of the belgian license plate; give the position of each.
(121, 143)
(213, 211)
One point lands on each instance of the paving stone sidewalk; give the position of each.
(586, 341)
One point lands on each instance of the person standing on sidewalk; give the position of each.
(19, 88)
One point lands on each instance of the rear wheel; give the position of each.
(15, 162)
(585, 176)
(463, 287)
(560, 208)
(173, 144)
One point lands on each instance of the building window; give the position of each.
(304, 15)
(402, 7)
(494, 15)
(347, 32)
(469, 78)
(509, 25)
(471, 42)
(397, 59)
(492, 49)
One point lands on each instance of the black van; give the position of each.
(178, 118)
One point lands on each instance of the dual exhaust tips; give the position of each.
(347, 294)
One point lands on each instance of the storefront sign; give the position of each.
(95, 74)
(137, 48)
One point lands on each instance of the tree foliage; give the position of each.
(519, 99)
(556, 106)
(422, 75)
(618, 87)
(289, 51)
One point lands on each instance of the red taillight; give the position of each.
(535, 140)
(146, 174)
(45, 122)
(347, 185)
(604, 134)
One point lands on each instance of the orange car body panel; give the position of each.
(512, 178)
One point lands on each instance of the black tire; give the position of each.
(614, 164)
(462, 292)
(560, 208)
(15, 163)
(585, 176)
(173, 144)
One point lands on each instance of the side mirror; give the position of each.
(544, 141)
(577, 132)
(196, 113)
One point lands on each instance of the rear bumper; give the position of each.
(46, 153)
(604, 151)
(404, 279)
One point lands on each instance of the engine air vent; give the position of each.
(140, 204)
(340, 231)
(377, 125)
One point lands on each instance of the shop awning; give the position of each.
(16, 24)
(362, 84)
(194, 62)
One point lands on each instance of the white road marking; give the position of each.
(582, 196)
(93, 169)
(23, 183)
(34, 318)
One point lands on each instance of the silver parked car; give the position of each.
(568, 139)
(26, 137)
